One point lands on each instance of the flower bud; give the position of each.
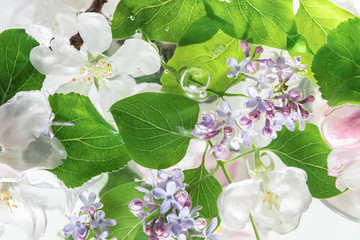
(160, 228)
(245, 46)
(245, 121)
(258, 50)
(267, 132)
(252, 67)
(309, 99)
(200, 223)
(269, 105)
(270, 115)
(228, 131)
(295, 94)
(293, 106)
(136, 204)
(187, 203)
(148, 231)
(181, 197)
(254, 115)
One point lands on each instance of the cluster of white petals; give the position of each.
(276, 202)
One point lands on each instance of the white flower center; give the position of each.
(95, 70)
(271, 199)
(6, 197)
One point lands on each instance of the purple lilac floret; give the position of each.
(167, 197)
(90, 219)
(269, 104)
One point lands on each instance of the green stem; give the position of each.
(224, 169)
(254, 227)
(204, 155)
(240, 156)
(203, 178)
(234, 95)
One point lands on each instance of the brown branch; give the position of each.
(96, 6)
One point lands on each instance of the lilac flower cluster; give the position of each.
(269, 100)
(91, 218)
(167, 211)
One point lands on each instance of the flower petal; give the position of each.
(136, 58)
(95, 30)
(235, 203)
(159, 193)
(232, 62)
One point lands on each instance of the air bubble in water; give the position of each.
(215, 52)
(132, 18)
(138, 31)
(166, 71)
(220, 47)
(167, 29)
(195, 81)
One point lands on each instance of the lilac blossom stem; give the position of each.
(240, 156)
(254, 227)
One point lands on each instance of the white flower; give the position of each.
(24, 141)
(23, 198)
(104, 79)
(276, 203)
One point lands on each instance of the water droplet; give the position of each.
(220, 47)
(215, 52)
(166, 71)
(167, 29)
(195, 81)
(132, 18)
(2, 149)
(138, 31)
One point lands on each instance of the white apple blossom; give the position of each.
(104, 79)
(276, 202)
(24, 133)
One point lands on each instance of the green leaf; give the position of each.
(163, 20)
(156, 127)
(116, 203)
(93, 146)
(200, 31)
(153, 78)
(337, 65)
(306, 150)
(315, 19)
(16, 72)
(204, 193)
(125, 175)
(271, 23)
(207, 56)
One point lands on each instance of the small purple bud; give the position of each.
(252, 67)
(160, 228)
(181, 197)
(153, 237)
(187, 203)
(136, 204)
(269, 106)
(245, 121)
(309, 99)
(258, 50)
(211, 135)
(293, 106)
(295, 94)
(270, 114)
(285, 111)
(228, 131)
(283, 96)
(92, 210)
(200, 223)
(245, 46)
(148, 231)
(254, 115)
(267, 131)
(304, 114)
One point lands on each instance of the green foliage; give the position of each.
(156, 127)
(271, 23)
(337, 65)
(207, 56)
(116, 202)
(16, 72)
(205, 193)
(306, 150)
(125, 175)
(93, 146)
(315, 19)
(163, 20)
(200, 31)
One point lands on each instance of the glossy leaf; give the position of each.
(204, 193)
(16, 72)
(207, 56)
(337, 65)
(161, 20)
(315, 19)
(93, 146)
(156, 127)
(271, 23)
(116, 203)
(306, 150)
